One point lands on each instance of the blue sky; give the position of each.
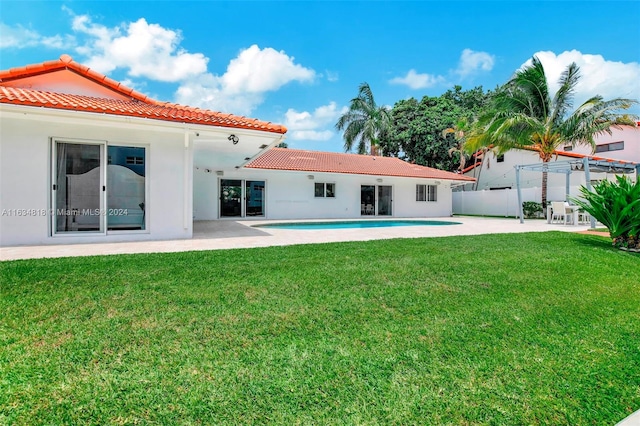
(299, 63)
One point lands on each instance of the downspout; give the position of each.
(187, 194)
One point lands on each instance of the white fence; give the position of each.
(503, 202)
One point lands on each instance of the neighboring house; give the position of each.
(622, 144)
(494, 193)
(498, 172)
(85, 159)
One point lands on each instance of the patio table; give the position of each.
(570, 209)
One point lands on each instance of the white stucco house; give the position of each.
(498, 172)
(495, 190)
(85, 159)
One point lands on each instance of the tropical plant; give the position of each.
(615, 204)
(531, 208)
(364, 122)
(524, 113)
(458, 131)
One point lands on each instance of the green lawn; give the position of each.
(538, 328)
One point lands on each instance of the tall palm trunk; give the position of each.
(544, 189)
(484, 155)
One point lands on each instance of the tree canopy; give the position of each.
(416, 131)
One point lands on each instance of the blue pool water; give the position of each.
(356, 224)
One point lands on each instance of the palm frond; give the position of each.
(364, 121)
(563, 99)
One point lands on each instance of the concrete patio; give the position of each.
(226, 234)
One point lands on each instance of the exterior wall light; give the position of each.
(234, 139)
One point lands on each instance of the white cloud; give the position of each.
(208, 91)
(258, 70)
(313, 126)
(249, 76)
(598, 76)
(332, 76)
(147, 50)
(471, 62)
(19, 37)
(418, 81)
(151, 51)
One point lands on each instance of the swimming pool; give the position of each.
(355, 224)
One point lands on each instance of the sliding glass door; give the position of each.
(367, 200)
(126, 171)
(230, 198)
(93, 192)
(384, 201)
(376, 200)
(240, 198)
(254, 196)
(78, 186)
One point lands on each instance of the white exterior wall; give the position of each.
(630, 136)
(25, 174)
(504, 202)
(290, 195)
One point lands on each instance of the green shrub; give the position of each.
(617, 206)
(531, 209)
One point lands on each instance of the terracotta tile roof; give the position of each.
(139, 105)
(592, 157)
(66, 62)
(332, 162)
(133, 108)
(471, 167)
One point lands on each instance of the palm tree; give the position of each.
(458, 130)
(524, 113)
(364, 122)
(461, 130)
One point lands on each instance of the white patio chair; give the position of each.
(584, 217)
(559, 212)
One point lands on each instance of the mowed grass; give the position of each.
(515, 329)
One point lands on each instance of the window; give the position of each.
(325, 190)
(500, 158)
(613, 146)
(426, 193)
(84, 201)
(134, 160)
(126, 188)
(568, 148)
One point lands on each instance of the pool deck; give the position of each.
(227, 234)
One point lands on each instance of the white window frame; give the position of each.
(104, 145)
(324, 190)
(147, 188)
(426, 193)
